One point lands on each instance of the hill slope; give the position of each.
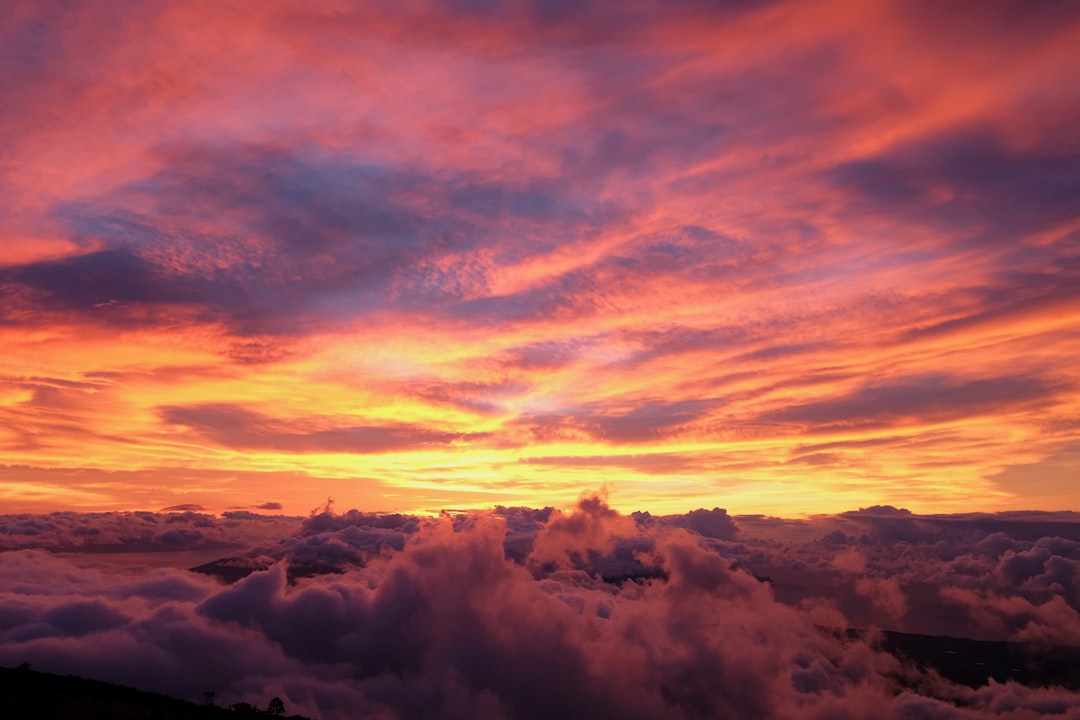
(27, 694)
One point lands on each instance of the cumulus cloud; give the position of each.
(448, 626)
(516, 614)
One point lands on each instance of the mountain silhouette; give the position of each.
(26, 694)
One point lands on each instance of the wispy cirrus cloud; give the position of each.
(241, 428)
(696, 233)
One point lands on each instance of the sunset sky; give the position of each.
(781, 257)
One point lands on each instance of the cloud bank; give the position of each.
(517, 613)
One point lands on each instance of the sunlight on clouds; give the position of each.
(26, 494)
(784, 257)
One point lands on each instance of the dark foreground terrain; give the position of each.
(26, 694)
(974, 663)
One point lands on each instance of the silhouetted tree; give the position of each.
(276, 707)
(208, 696)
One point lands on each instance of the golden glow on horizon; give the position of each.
(742, 468)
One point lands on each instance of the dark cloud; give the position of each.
(570, 295)
(649, 420)
(917, 399)
(84, 617)
(645, 421)
(238, 427)
(1026, 525)
(783, 351)
(715, 523)
(691, 254)
(333, 233)
(995, 193)
(96, 280)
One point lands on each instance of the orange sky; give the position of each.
(781, 257)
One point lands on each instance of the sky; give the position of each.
(785, 257)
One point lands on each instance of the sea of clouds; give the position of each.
(522, 613)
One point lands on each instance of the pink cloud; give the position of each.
(447, 622)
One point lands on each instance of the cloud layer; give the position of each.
(521, 613)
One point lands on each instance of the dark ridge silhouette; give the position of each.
(226, 569)
(233, 569)
(975, 662)
(26, 694)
